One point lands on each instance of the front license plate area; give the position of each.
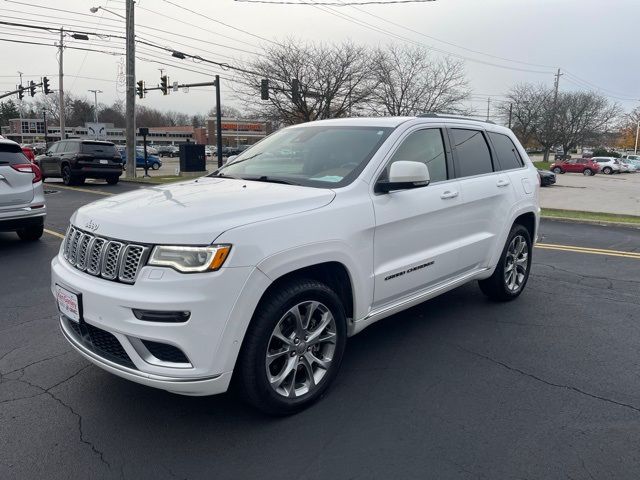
(69, 303)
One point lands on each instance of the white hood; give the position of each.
(195, 212)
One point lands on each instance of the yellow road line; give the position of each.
(592, 251)
(86, 190)
(55, 234)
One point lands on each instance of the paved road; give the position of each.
(542, 388)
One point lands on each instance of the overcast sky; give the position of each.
(594, 42)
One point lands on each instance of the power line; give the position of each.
(364, 2)
(222, 23)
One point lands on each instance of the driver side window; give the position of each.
(425, 146)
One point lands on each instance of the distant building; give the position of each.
(235, 131)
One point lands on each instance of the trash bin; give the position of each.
(192, 158)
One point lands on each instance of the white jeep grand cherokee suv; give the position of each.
(261, 270)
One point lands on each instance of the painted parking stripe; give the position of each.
(588, 250)
(55, 234)
(85, 190)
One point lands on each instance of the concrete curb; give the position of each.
(602, 223)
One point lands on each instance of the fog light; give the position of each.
(161, 315)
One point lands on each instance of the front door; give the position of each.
(417, 232)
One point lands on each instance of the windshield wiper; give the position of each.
(224, 175)
(265, 178)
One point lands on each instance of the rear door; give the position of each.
(16, 187)
(487, 195)
(49, 160)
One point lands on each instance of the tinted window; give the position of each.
(54, 148)
(425, 146)
(506, 151)
(11, 155)
(472, 152)
(70, 147)
(99, 149)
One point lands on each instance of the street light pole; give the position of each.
(131, 92)
(44, 119)
(95, 104)
(61, 85)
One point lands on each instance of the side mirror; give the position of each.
(404, 175)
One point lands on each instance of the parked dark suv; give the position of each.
(76, 160)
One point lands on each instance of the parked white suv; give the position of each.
(608, 165)
(262, 269)
(22, 206)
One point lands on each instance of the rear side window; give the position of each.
(12, 155)
(102, 149)
(473, 156)
(506, 151)
(425, 146)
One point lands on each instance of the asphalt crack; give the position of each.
(547, 382)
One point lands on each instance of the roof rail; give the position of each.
(454, 117)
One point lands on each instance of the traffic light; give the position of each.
(140, 89)
(164, 84)
(264, 89)
(45, 86)
(20, 92)
(295, 90)
(32, 88)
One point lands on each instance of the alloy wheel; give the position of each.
(516, 263)
(301, 349)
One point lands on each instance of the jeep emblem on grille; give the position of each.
(91, 225)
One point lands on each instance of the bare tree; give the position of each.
(408, 82)
(525, 103)
(332, 79)
(582, 115)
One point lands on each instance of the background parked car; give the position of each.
(22, 208)
(586, 166)
(75, 160)
(168, 151)
(632, 160)
(608, 165)
(546, 178)
(154, 160)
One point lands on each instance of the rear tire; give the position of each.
(67, 178)
(557, 170)
(587, 172)
(512, 272)
(281, 355)
(30, 234)
(607, 170)
(112, 180)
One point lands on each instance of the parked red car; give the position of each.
(28, 152)
(586, 166)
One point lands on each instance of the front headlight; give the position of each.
(190, 259)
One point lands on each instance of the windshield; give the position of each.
(316, 156)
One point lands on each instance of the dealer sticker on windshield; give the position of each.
(68, 303)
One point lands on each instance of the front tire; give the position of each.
(557, 170)
(607, 170)
(512, 272)
(30, 234)
(293, 348)
(155, 166)
(587, 172)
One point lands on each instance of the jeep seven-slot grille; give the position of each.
(101, 257)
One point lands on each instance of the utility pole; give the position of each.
(635, 150)
(556, 86)
(510, 113)
(21, 133)
(61, 84)
(488, 107)
(95, 104)
(131, 92)
(44, 119)
(218, 122)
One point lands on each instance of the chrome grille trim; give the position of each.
(110, 259)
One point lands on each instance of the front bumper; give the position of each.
(107, 306)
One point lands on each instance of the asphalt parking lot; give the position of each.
(544, 387)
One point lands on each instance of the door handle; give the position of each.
(449, 194)
(503, 183)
